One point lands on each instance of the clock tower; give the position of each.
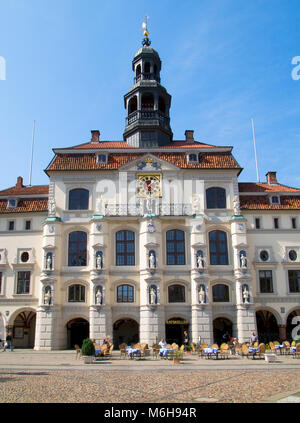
(147, 103)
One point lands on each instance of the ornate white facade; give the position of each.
(195, 239)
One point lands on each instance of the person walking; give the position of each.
(253, 338)
(185, 338)
(8, 343)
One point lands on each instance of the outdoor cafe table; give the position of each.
(280, 348)
(165, 351)
(293, 349)
(253, 350)
(132, 351)
(211, 351)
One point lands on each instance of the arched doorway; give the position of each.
(24, 329)
(174, 330)
(125, 331)
(290, 326)
(221, 325)
(267, 327)
(77, 330)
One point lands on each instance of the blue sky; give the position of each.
(68, 66)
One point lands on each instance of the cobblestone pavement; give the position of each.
(24, 378)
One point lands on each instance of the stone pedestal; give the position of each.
(246, 322)
(202, 323)
(100, 322)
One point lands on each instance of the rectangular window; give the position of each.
(294, 223)
(23, 283)
(0, 282)
(294, 280)
(257, 223)
(276, 222)
(28, 225)
(266, 281)
(11, 225)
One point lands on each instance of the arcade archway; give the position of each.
(24, 329)
(174, 330)
(77, 330)
(221, 326)
(267, 327)
(125, 331)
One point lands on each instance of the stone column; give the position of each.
(245, 322)
(151, 315)
(202, 323)
(100, 322)
(282, 332)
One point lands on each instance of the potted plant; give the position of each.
(188, 349)
(88, 351)
(177, 356)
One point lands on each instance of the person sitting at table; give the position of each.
(162, 344)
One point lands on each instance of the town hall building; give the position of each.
(146, 237)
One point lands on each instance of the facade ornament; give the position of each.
(152, 296)
(243, 261)
(98, 297)
(49, 262)
(151, 227)
(200, 262)
(245, 295)
(195, 204)
(236, 206)
(152, 261)
(47, 297)
(99, 261)
(99, 204)
(99, 227)
(52, 207)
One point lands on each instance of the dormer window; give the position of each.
(275, 199)
(12, 203)
(193, 158)
(102, 158)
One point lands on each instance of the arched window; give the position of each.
(147, 102)
(76, 293)
(78, 199)
(175, 247)
(218, 248)
(125, 294)
(161, 105)
(220, 293)
(215, 198)
(132, 106)
(147, 67)
(176, 294)
(77, 248)
(125, 248)
(138, 70)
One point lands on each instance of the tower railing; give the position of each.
(147, 115)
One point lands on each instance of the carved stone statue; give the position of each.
(99, 204)
(149, 205)
(49, 262)
(200, 262)
(99, 262)
(201, 295)
(243, 261)
(195, 204)
(152, 296)
(152, 261)
(236, 206)
(245, 295)
(52, 207)
(98, 297)
(47, 297)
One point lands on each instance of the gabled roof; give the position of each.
(25, 205)
(265, 187)
(20, 189)
(260, 202)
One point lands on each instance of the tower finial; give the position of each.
(146, 41)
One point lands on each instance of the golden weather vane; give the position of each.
(144, 26)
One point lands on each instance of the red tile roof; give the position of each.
(87, 161)
(265, 187)
(26, 205)
(112, 145)
(262, 202)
